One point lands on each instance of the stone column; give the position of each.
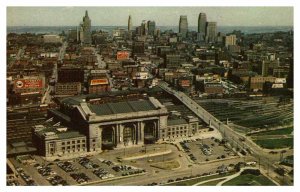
(155, 130)
(142, 132)
(138, 126)
(120, 128)
(116, 136)
(135, 136)
(99, 144)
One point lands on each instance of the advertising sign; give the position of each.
(99, 82)
(28, 83)
(121, 55)
(185, 83)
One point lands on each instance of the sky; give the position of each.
(163, 16)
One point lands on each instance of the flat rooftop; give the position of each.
(122, 107)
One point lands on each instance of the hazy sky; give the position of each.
(105, 16)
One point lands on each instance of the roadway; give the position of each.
(264, 158)
(46, 99)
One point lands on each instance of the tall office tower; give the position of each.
(230, 40)
(201, 27)
(85, 30)
(151, 27)
(144, 27)
(183, 25)
(138, 47)
(211, 32)
(129, 23)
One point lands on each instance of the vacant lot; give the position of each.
(251, 180)
(275, 143)
(169, 165)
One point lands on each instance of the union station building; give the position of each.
(84, 125)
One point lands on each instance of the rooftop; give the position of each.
(176, 122)
(122, 107)
(54, 133)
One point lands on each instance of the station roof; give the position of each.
(52, 132)
(122, 107)
(176, 122)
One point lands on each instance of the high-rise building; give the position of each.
(151, 27)
(183, 25)
(138, 47)
(201, 27)
(144, 28)
(211, 32)
(85, 30)
(230, 40)
(129, 23)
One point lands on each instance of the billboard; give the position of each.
(121, 55)
(185, 83)
(99, 82)
(28, 83)
(280, 80)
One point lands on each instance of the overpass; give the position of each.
(234, 138)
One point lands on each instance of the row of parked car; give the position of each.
(192, 157)
(12, 183)
(185, 147)
(67, 166)
(119, 168)
(133, 172)
(80, 178)
(85, 162)
(45, 170)
(29, 181)
(107, 162)
(102, 173)
(57, 180)
(206, 150)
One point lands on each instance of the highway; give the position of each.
(265, 159)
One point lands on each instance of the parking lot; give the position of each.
(204, 150)
(73, 172)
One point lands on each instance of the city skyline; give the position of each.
(118, 16)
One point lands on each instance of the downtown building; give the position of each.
(201, 27)
(89, 124)
(84, 31)
(183, 26)
(211, 32)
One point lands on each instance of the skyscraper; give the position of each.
(85, 30)
(183, 25)
(144, 27)
(201, 27)
(211, 32)
(151, 27)
(230, 40)
(129, 23)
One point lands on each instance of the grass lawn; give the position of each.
(284, 131)
(166, 165)
(197, 180)
(251, 180)
(275, 143)
(212, 183)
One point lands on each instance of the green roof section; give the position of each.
(142, 105)
(176, 122)
(122, 107)
(69, 134)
